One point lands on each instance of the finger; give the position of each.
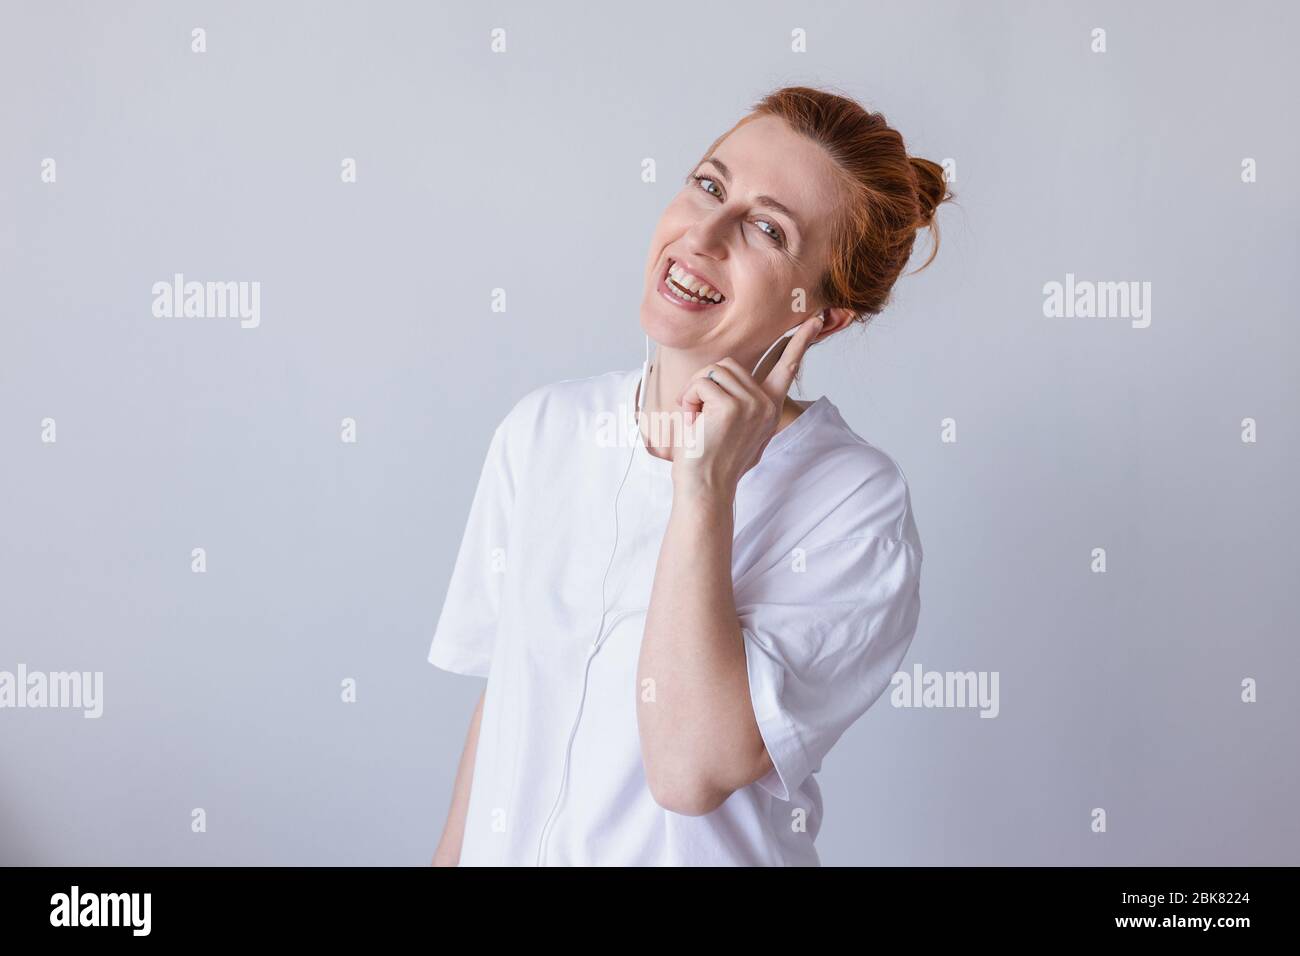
(743, 377)
(750, 393)
(722, 376)
(778, 382)
(700, 391)
(769, 360)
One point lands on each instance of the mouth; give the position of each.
(687, 291)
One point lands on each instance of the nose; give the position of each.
(707, 235)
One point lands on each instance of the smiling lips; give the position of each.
(687, 290)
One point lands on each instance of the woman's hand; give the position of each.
(733, 417)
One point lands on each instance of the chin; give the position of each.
(668, 330)
(675, 328)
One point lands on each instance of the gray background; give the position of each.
(328, 561)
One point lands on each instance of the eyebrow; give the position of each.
(767, 201)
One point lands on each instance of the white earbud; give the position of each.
(784, 336)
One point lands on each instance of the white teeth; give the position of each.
(703, 291)
(682, 295)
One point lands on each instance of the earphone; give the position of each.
(595, 645)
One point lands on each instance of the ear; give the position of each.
(835, 320)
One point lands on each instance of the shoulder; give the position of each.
(864, 487)
(571, 396)
(561, 410)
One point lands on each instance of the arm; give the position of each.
(700, 739)
(453, 832)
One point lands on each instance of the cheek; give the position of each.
(673, 221)
(768, 283)
(679, 214)
(666, 230)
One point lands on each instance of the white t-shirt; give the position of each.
(826, 565)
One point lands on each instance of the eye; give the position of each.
(706, 179)
(776, 235)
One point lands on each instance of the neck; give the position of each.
(670, 373)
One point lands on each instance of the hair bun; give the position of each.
(931, 188)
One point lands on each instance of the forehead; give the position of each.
(767, 157)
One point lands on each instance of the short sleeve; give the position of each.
(465, 635)
(824, 631)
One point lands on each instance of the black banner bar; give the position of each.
(236, 904)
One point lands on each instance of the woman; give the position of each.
(678, 626)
